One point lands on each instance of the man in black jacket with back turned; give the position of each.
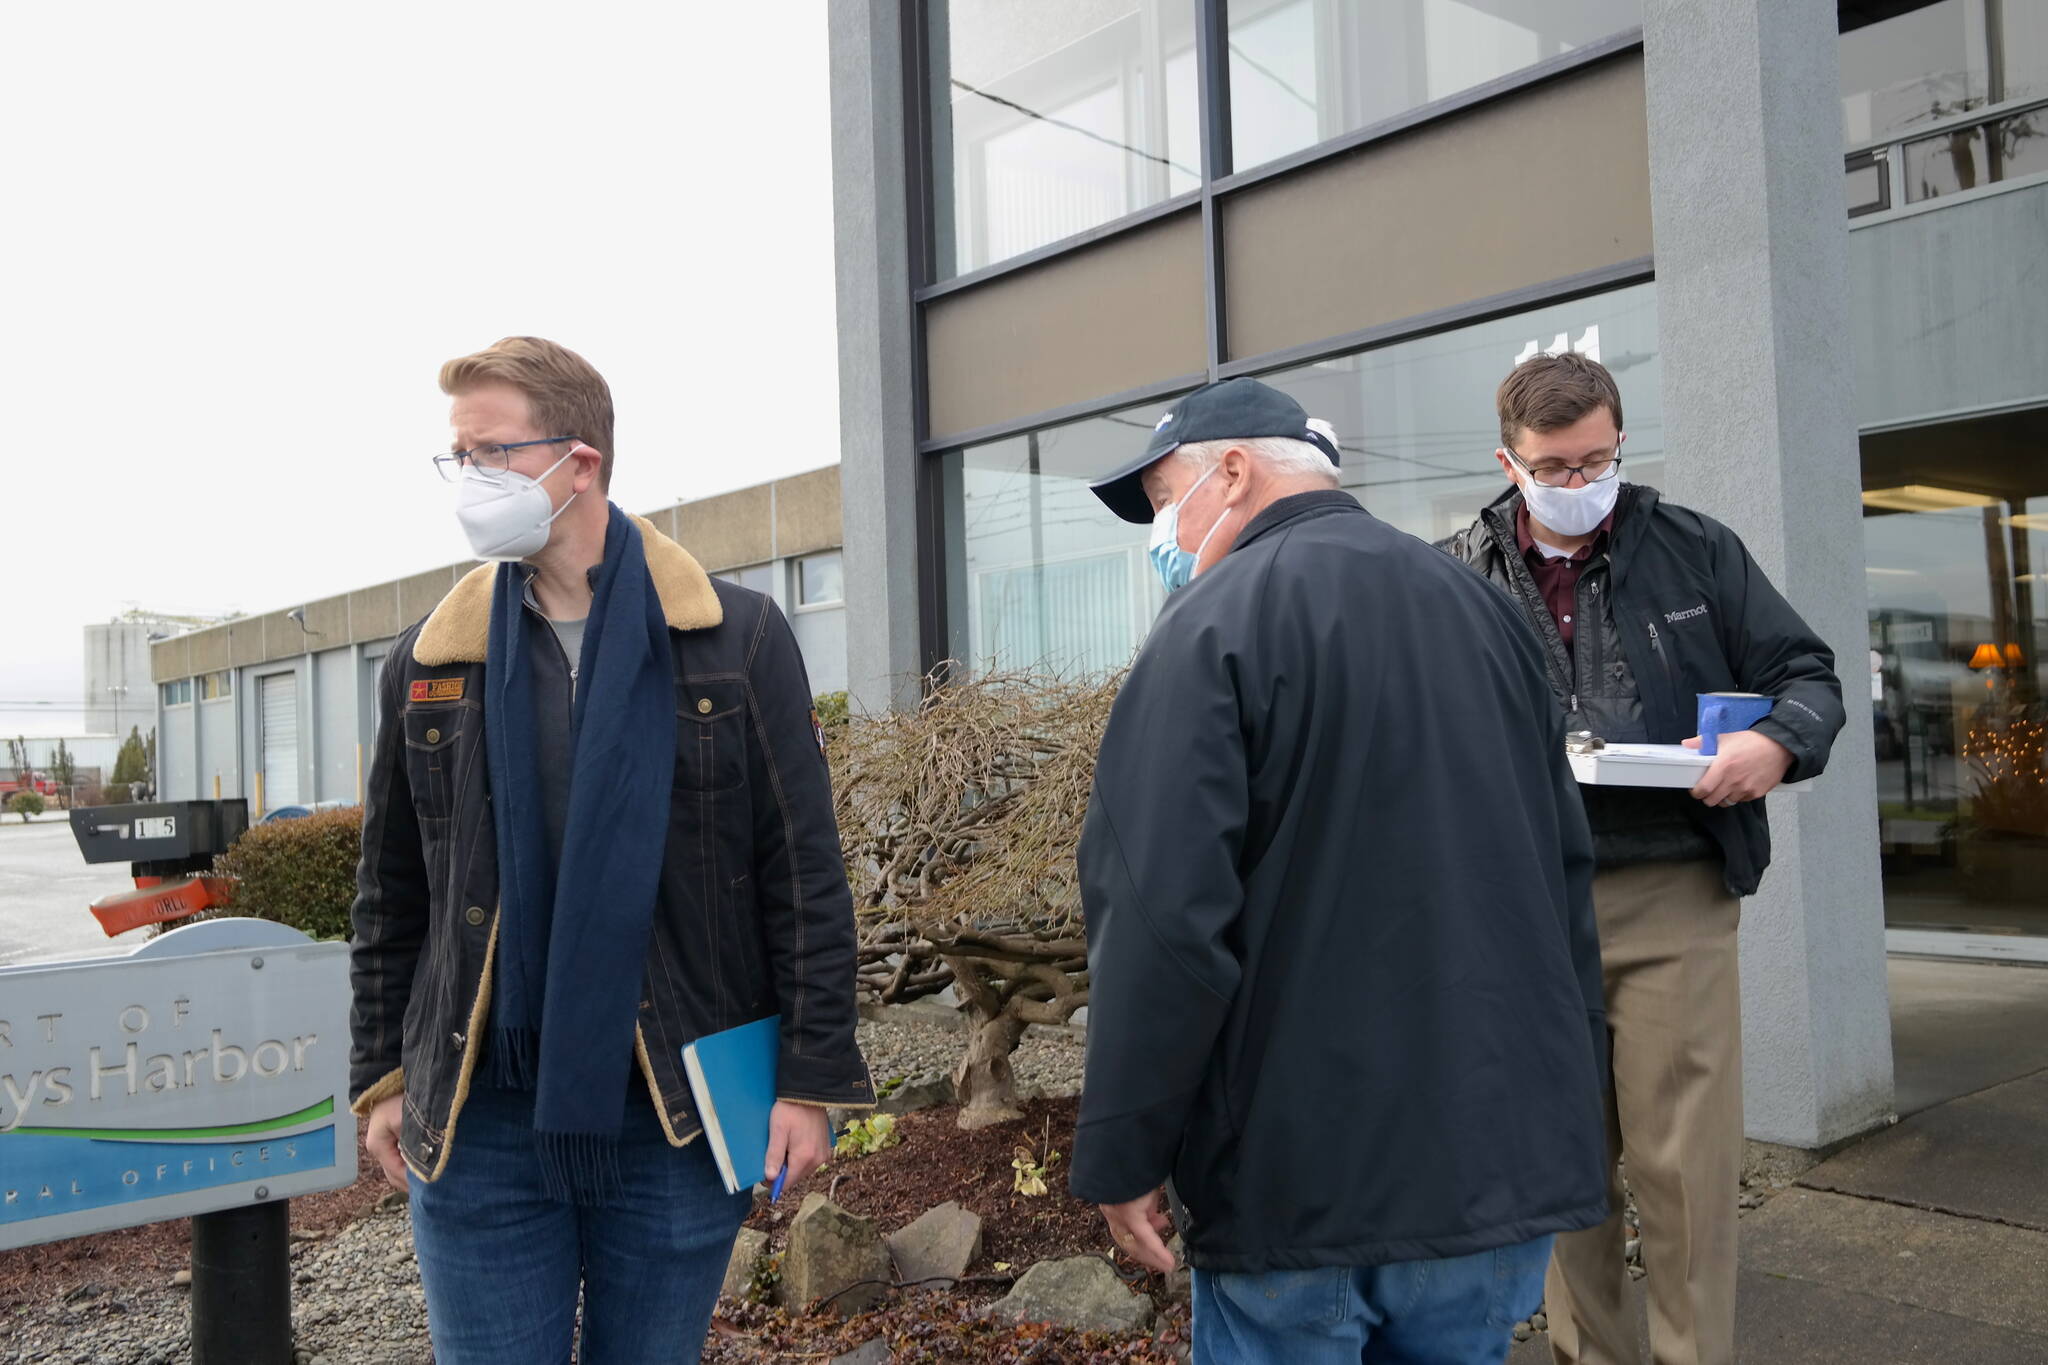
(1345, 986)
(1642, 605)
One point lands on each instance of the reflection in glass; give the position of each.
(1955, 538)
(1868, 183)
(820, 579)
(1982, 154)
(1039, 574)
(1920, 66)
(1305, 71)
(1053, 120)
(1416, 419)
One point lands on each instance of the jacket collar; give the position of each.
(459, 631)
(1293, 508)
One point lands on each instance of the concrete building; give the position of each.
(280, 708)
(117, 671)
(1810, 241)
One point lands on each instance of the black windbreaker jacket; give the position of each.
(1345, 981)
(1691, 612)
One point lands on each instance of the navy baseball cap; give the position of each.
(1239, 409)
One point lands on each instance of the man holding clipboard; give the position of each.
(1641, 607)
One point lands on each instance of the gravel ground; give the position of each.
(356, 1300)
(918, 1043)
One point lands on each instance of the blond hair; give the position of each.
(568, 396)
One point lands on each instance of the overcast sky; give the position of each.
(242, 237)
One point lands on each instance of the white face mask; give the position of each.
(507, 515)
(1571, 511)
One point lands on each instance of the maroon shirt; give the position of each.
(1558, 579)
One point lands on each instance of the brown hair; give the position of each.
(568, 395)
(1546, 392)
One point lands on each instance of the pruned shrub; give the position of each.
(298, 872)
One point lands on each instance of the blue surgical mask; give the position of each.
(1175, 566)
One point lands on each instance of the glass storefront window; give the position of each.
(1416, 419)
(1955, 537)
(1038, 574)
(1053, 120)
(1305, 71)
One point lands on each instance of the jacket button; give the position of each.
(703, 706)
(475, 914)
(433, 736)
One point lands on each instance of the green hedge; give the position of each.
(298, 872)
(25, 804)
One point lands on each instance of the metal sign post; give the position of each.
(205, 1075)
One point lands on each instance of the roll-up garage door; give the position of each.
(280, 741)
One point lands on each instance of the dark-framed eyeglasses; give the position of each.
(1562, 475)
(492, 459)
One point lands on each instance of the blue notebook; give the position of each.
(732, 1075)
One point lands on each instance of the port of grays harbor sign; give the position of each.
(206, 1070)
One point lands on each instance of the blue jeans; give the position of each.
(502, 1262)
(1456, 1311)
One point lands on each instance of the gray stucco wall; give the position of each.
(334, 721)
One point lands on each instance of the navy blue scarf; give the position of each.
(572, 940)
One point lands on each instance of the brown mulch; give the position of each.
(152, 1253)
(936, 1161)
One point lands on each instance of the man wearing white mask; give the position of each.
(598, 826)
(1338, 917)
(1640, 606)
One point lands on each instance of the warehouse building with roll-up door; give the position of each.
(281, 708)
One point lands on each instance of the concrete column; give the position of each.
(1753, 318)
(877, 374)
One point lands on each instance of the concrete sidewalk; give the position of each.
(1927, 1241)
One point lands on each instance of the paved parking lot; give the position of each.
(44, 890)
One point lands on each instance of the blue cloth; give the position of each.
(501, 1262)
(572, 939)
(1455, 1311)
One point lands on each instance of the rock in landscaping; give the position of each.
(182, 1280)
(1180, 1285)
(747, 1252)
(1081, 1292)
(829, 1252)
(939, 1245)
(874, 1352)
(919, 1092)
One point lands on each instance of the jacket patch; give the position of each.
(438, 689)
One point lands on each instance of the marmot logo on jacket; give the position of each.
(1672, 618)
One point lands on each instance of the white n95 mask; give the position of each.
(507, 515)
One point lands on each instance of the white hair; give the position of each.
(1283, 455)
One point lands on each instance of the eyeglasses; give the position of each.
(492, 459)
(1561, 475)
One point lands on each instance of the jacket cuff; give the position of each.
(1774, 729)
(833, 1082)
(392, 1083)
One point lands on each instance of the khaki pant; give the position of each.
(1674, 1012)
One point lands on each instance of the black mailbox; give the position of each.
(171, 837)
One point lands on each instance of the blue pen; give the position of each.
(780, 1176)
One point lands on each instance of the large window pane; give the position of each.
(1923, 65)
(1039, 574)
(1053, 119)
(1416, 420)
(1304, 71)
(1955, 538)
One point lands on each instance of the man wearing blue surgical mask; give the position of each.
(598, 826)
(1337, 911)
(1640, 606)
